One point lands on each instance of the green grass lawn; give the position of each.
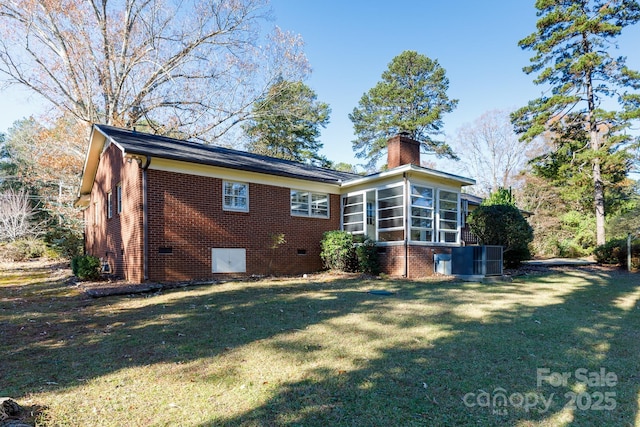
(540, 351)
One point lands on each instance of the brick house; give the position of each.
(162, 209)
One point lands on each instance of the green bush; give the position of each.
(344, 252)
(337, 251)
(567, 248)
(368, 258)
(615, 252)
(503, 225)
(86, 267)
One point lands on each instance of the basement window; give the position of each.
(165, 250)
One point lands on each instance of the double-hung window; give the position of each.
(306, 203)
(235, 196)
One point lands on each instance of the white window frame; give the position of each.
(380, 218)
(234, 206)
(110, 205)
(347, 218)
(440, 219)
(431, 208)
(119, 199)
(312, 206)
(437, 214)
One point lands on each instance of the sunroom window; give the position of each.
(448, 210)
(352, 214)
(391, 214)
(421, 213)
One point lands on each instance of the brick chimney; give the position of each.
(402, 150)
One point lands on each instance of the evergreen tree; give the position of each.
(411, 97)
(571, 45)
(286, 123)
(567, 166)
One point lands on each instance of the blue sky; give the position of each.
(349, 43)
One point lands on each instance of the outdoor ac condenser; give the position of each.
(476, 261)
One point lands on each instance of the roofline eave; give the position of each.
(410, 168)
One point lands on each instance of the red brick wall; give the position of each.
(420, 260)
(118, 239)
(186, 215)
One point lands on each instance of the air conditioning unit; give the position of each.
(478, 261)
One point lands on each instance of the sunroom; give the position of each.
(411, 212)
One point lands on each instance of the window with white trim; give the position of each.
(448, 212)
(306, 203)
(235, 196)
(109, 204)
(421, 214)
(353, 213)
(119, 199)
(391, 214)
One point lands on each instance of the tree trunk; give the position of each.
(598, 201)
(598, 185)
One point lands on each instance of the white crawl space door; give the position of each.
(225, 260)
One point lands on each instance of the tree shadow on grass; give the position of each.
(497, 369)
(426, 355)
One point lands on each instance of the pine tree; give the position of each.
(286, 123)
(572, 44)
(411, 97)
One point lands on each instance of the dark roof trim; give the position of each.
(144, 144)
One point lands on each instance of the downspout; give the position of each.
(407, 213)
(145, 220)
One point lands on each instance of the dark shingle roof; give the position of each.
(145, 144)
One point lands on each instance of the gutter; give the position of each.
(145, 219)
(407, 213)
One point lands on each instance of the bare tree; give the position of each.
(188, 67)
(491, 152)
(16, 216)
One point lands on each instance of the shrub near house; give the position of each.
(497, 221)
(343, 251)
